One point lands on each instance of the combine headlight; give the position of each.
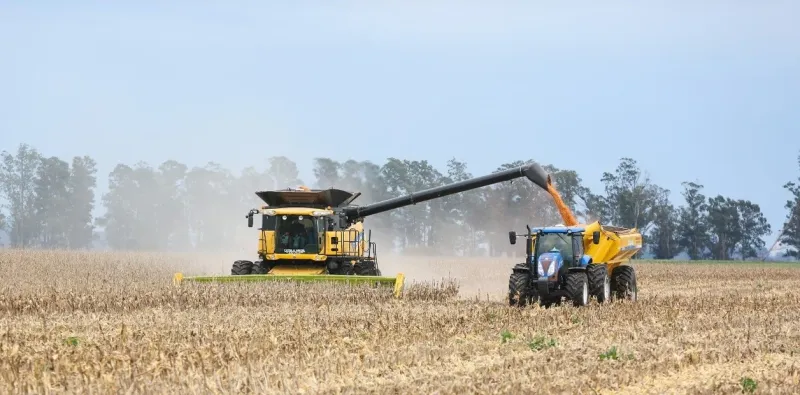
(320, 213)
(269, 212)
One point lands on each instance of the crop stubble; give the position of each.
(108, 322)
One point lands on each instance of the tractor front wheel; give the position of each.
(518, 293)
(623, 280)
(599, 282)
(242, 268)
(578, 288)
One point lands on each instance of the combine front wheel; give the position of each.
(260, 267)
(365, 268)
(599, 282)
(242, 268)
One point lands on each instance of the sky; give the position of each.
(694, 92)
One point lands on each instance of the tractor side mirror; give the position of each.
(596, 237)
(512, 237)
(250, 221)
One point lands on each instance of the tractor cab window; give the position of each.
(577, 248)
(296, 234)
(559, 242)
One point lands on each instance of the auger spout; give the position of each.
(532, 172)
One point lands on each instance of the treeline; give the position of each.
(172, 207)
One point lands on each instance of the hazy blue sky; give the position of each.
(706, 92)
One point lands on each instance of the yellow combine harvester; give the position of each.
(318, 235)
(576, 261)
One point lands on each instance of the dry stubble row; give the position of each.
(91, 323)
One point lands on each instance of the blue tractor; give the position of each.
(555, 267)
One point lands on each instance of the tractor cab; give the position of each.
(558, 244)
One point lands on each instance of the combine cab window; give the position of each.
(268, 222)
(296, 234)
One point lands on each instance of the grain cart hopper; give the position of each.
(574, 261)
(318, 235)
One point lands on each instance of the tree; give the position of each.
(791, 229)
(143, 210)
(629, 196)
(52, 202)
(17, 175)
(171, 203)
(570, 186)
(80, 192)
(724, 226)
(663, 240)
(693, 221)
(326, 172)
(284, 172)
(211, 207)
(753, 226)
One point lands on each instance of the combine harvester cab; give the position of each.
(574, 261)
(318, 235)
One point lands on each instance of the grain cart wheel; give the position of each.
(623, 281)
(599, 282)
(241, 268)
(518, 294)
(578, 288)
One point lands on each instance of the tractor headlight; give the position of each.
(545, 270)
(320, 213)
(269, 212)
(548, 264)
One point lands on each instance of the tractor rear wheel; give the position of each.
(578, 288)
(518, 293)
(599, 282)
(242, 268)
(623, 281)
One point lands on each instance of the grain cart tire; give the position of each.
(365, 268)
(623, 282)
(518, 293)
(260, 267)
(240, 268)
(578, 288)
(599, 282)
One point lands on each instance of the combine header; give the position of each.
(318, 235)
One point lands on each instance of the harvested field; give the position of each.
(113, 322)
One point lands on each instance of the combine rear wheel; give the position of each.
(623, 281)
(578, 288)
(518, 293)
(241, 268)
(599, 282)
